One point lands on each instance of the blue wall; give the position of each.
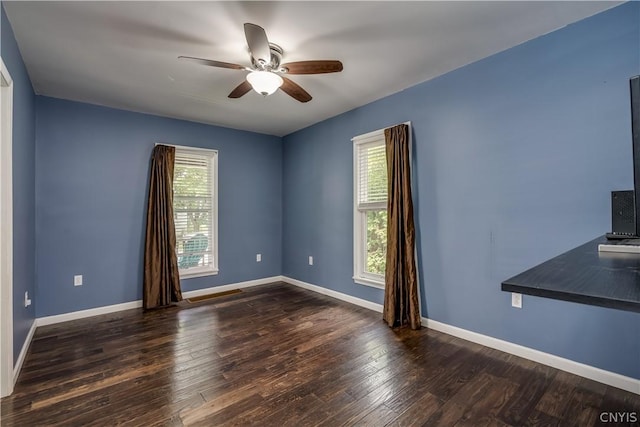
(23, 186)
(91, 191)
(514, 160)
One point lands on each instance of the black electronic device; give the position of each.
(625, 205)
(634, 87)
(623, 214)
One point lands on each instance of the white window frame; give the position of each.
(213, 155)
(361, 276)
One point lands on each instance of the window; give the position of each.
(370, 208)
(195, 213)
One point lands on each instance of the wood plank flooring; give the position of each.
(277, 355)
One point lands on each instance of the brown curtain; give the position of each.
(401, 306)
(161, 277)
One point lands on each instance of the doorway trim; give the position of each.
(6, 231)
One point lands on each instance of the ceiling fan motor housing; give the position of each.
(274, 64)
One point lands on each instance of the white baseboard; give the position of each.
(232, 286)
(81, 314)
(586, 371)
(23, 352)
(335, 294)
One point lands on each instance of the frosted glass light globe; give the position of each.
(264, 82)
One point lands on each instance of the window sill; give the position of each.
(198, 274)
(369, 282)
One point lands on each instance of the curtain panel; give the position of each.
(161, 276)
(401, 305)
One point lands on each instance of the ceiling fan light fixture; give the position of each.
(264, 82)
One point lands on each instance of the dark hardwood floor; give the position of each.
(277, 355)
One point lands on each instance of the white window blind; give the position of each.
(372, 175)
(194, 210)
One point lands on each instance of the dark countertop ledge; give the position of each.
(586, 276)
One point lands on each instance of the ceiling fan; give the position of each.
(265, 71)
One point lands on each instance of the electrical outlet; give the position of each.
(27, 301)
(516, 300)
(258, 257)
(310, 260)
(77, 280)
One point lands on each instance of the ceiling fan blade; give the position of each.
(241, 90)
(313, 67)
(294, 90)
(212, 63)
(257, 42)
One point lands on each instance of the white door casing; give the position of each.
(6, 232)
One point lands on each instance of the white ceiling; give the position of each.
(124, 54)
